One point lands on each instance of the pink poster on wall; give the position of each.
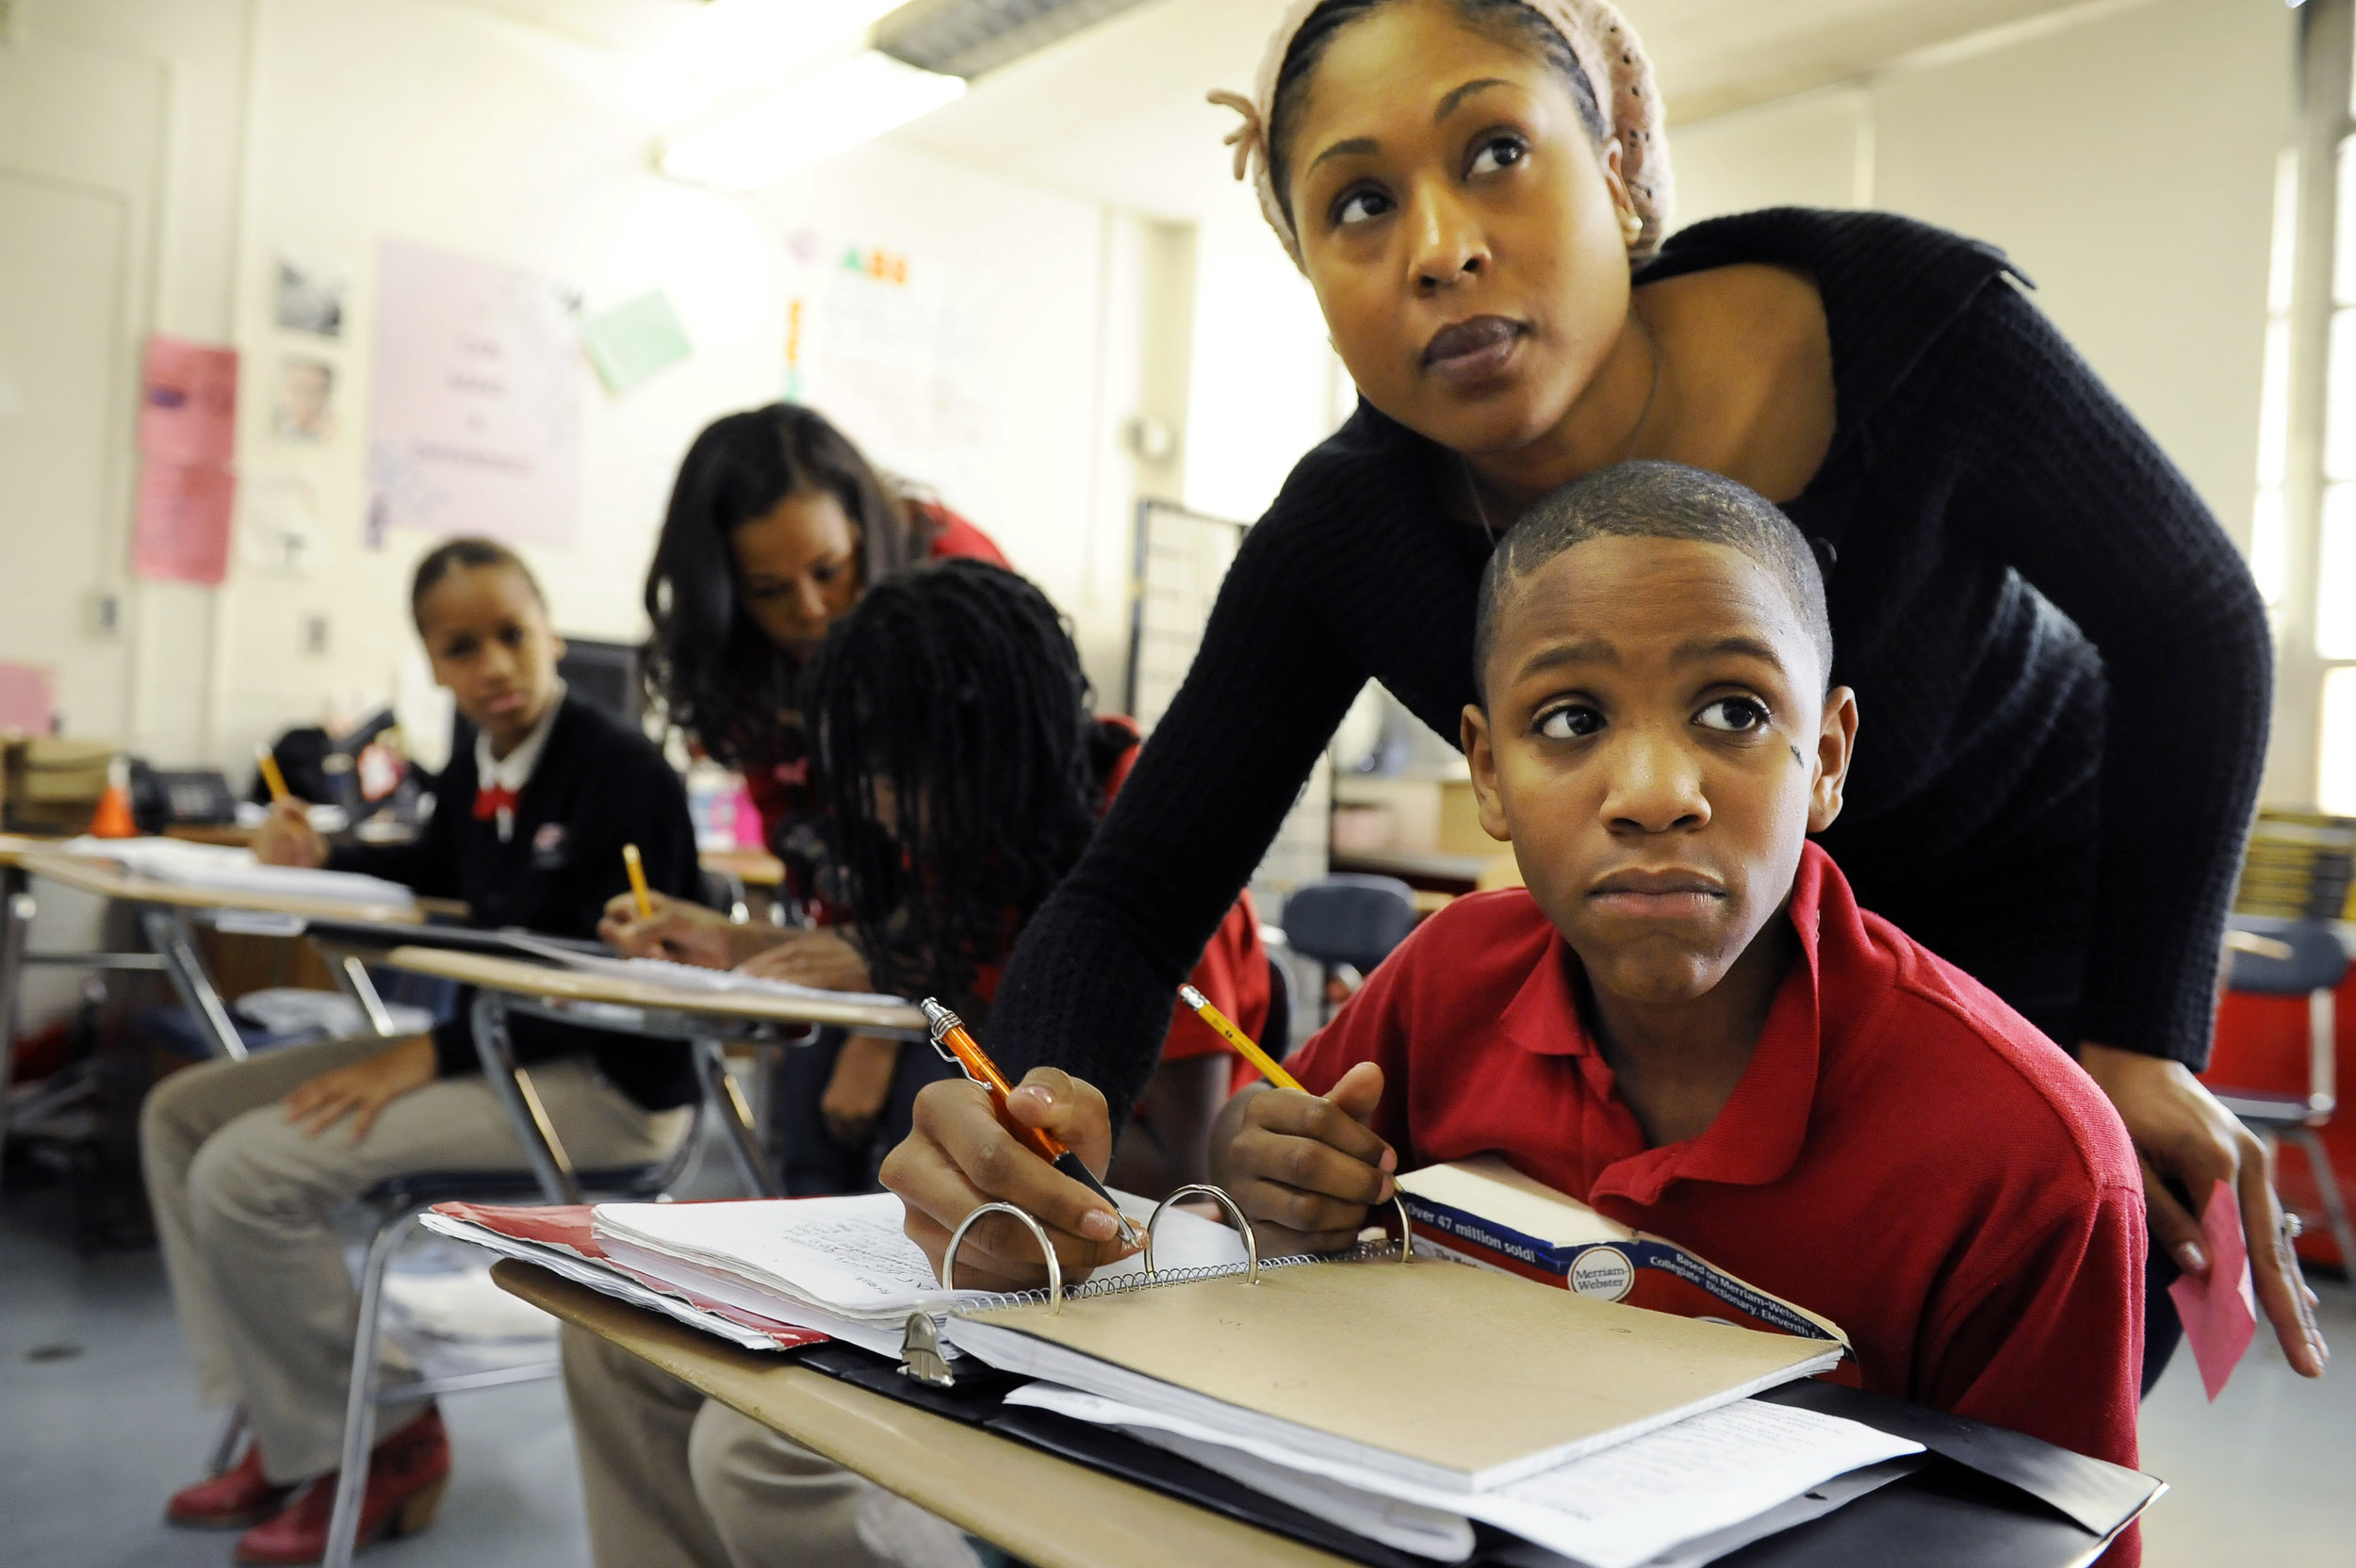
(28, 699)
(181, 530)
(187, 402)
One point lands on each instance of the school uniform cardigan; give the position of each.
(597, 786)
(2063, 670)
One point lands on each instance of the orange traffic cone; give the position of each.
(112, 819)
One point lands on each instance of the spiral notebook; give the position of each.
(1436, 1373)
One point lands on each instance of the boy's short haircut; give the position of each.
(1654, 500)
(452, 555)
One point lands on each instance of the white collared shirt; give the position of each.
(513, 772)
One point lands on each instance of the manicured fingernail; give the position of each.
(1389, 1160)
(1099, 1225)
(2191, 1259)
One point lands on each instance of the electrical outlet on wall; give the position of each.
(102, 610)
(315, 636)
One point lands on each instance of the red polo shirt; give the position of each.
(1906, 1154)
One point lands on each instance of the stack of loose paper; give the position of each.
(842, 1265)
(558, 1238)
(662, 971)
(216, 868)
(1406, 1400)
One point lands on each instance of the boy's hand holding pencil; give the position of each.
(1306, 1168)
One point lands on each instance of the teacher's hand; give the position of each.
(2183, 1133)
(960, 1156)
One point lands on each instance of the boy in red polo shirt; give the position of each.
(1686, 1021)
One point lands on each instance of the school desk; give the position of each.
(1043, 1510)
(1055, 1512)
(709, 1021)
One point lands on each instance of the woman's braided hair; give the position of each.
(953, 695)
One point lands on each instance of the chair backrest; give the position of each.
(1350, 919)
(1276, 1035)
(2317, 961)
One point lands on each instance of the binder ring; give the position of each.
(1406, 1227)
(1235, 1211)
(1055, 1269)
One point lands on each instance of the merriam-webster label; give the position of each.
(1602, 1271)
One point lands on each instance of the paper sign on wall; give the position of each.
(893, 349)
(188, 438)
(187, 402)
(181, 532)
(474, 420)
(28, 699)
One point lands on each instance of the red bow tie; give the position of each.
(491, 802)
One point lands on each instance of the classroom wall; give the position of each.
(316, 128)
(2123, 157)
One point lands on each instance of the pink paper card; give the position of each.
(2219, 1312)
(28, 698)
(181, 532)
(187, 402)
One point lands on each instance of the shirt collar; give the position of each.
(1758, 1133)
(514, 771)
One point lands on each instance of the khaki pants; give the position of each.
(242, 1200)
(676, 1480)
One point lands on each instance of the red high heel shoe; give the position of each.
(406, 1474)
(239, 1496)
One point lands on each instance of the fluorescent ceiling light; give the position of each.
(854, 100)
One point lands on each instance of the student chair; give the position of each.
(1348, 919)
(1276, 1035)
(395, 1204)
(2303, 958)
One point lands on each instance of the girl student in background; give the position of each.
(245, 1160)
(777, 526)
(956, 687)
(959, 774)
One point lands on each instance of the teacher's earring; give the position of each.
(1631, 226)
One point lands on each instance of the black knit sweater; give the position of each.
(2062, 670)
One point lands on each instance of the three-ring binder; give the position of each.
(921, 1355)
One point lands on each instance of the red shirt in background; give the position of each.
(1905, 1153)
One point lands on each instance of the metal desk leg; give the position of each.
(736, 1118)
(16, 925)
(542, 1147)
(351, 975)
(168, 932)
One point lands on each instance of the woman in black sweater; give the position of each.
(2067, 662)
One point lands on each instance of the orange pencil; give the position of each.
(637, 870)
(954, 1043)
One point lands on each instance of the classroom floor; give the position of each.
(92, 1441)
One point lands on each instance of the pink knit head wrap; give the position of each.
(1606, 50)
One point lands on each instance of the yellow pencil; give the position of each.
(279, 793)
(637, 881)
(1270, 1068)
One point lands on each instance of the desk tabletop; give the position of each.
(519, 978)
(755, 867)
(94, 875)
(1046, 1511)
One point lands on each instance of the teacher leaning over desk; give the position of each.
(2064, 660)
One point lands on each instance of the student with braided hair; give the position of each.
(777, 525)
(959, 774)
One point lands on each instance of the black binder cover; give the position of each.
(1990, 1495)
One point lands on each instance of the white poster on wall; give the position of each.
(474, 418)
(892, 348)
